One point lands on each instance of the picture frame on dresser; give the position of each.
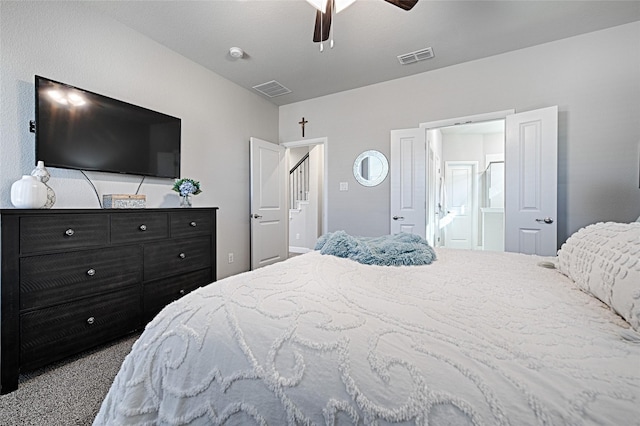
(73, 279)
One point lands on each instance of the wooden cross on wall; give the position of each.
(302, 123)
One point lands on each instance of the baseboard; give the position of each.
(299, 249)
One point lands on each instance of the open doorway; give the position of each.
(466, 185)
(528, 172)
(307, 193)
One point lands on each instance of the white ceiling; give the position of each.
(369, 35)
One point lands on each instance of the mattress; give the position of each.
(474, 338)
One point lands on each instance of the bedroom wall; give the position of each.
(67, 42)
(593, 78)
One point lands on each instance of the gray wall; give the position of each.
(593, 78)
(67, 42)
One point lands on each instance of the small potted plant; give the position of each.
(186, 188)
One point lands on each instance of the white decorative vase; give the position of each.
(28, 193)
(42, 174)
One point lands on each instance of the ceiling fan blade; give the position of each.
(323, 24)
(403, 4)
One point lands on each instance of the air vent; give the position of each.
(418, 55)
(272, 89)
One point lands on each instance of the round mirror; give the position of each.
(370, 168)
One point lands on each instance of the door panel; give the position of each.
(408, 181)
(431, 194)
(438, 239)
(269, 224)
(461, 205)
(531, 179)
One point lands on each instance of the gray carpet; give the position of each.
(68, 392)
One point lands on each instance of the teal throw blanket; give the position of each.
(388, 250)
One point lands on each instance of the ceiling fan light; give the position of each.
(342, 4)
(321, 5)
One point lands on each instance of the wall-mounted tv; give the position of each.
(82, 130)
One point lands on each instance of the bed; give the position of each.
(474, 337)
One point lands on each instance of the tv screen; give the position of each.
(78, 129)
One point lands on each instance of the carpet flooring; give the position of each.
(68, 392)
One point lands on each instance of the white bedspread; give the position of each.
(475, 338)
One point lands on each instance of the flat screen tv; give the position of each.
(82, 130)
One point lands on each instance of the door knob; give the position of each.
(545, 220)
(256, 216)
(398, 218)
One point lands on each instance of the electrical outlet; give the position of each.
(230, 257)
(297, 236)
(344, 186)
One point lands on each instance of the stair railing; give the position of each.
(299, 182)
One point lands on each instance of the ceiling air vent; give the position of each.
(418, 55)
(272, 89)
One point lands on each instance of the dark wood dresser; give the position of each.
(77, 278)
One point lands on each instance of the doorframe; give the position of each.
(469, 119)
(325, 178)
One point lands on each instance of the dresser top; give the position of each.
(103, 211)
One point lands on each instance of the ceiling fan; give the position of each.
(327, 8)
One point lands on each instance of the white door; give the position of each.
(531, 182)
(432, 193)
(269, 224)
(461, 206)
(408, 181)
(438, 239)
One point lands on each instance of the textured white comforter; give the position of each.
(475, 338)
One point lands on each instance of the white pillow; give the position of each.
(604, 260)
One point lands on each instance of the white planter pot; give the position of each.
(28, 193)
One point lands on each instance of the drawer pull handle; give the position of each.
(182, 255)
(69, 232)
(193, 224)
(91, 320)
(142, 227)
(182, 292)
(91, 272)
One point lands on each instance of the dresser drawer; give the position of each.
(136, 227)
(50, 279)
(158, 294)
(176, 256)
(190, 222)
(62, 231)
(53, 333)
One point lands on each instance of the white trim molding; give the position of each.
(325, 184)
(489, 116)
